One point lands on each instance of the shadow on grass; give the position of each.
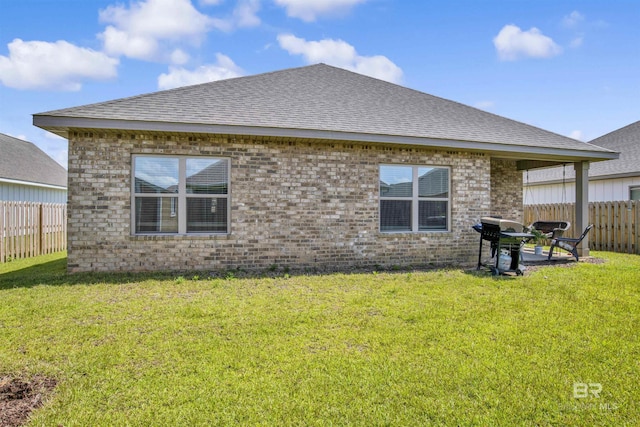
(486, 273)
(54, 273)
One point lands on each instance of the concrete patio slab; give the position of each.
(530, 258)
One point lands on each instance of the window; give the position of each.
(634, 193)
(180, 195)
(414, 198)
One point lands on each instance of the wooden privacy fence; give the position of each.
(31, 228)
(616, 224)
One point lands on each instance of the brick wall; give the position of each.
(298, 204)
(506, 190)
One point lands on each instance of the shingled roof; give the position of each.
(625, 140)
(24, 162)
(323, 102)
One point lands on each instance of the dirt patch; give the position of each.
(18, 397)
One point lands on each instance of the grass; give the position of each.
(404, 348)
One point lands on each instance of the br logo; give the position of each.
(582, 390)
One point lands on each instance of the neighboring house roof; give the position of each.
(625, 140)
(323, 102)
(433, 183)
(210, 180)
(23, 162)
(144, 186)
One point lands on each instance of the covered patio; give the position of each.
(581, 168)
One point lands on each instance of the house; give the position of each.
(28, 174)
(305, 168)
(611, 180)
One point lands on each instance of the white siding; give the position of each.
(606, 190)
(29, 193)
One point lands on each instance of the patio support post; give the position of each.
(582, 205)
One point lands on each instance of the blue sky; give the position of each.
(571, 67)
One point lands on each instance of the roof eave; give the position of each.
(60, 125)
(33, 184)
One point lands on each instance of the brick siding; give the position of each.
(506, 190)
(298, 204)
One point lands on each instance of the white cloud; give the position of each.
(53, 136)
(245, 13)
(576, 42)
(57, 66)
(21, 136)
(118, 42)
(137, 31)
(341, 54)
(179, 57)
(572, 19)
(572, 22)
(577, 134)
(310, 10)
(154, 30)
(224, 68)
(512, 43)
(484, 105)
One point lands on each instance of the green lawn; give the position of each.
(445, 347)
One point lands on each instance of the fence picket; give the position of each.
(636, 226)
(607, 224)
(2, 225)
(30, 228)
(616, 224)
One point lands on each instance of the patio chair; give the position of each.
(551, 229)
(568, 243)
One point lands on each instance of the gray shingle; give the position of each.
(23, 161)
(625, 140)
(325, 98)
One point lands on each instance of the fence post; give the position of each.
(40, 231)
(2, 233)
(637, 226)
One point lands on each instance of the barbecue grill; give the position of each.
(507, 239)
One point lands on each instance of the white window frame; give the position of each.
(181, 195)
(633, 188)
(415, 199)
